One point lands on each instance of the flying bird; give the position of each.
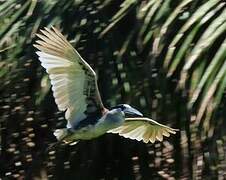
(75, 89)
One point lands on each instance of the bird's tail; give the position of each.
(60, 133)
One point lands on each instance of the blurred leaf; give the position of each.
(126, 6)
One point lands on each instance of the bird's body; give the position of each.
(92, 127)
(74, 85)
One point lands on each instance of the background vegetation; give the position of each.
(165, 57)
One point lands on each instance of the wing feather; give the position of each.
(165, 133)
(144, 129)
(147, 135)
(73, 81)
(153, 135)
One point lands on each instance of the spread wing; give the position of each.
(74, 82)
(143, 129)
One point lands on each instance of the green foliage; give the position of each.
(166, 57)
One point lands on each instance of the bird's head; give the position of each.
(114, 117)
(128, 110)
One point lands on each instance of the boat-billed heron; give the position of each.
(74, 85)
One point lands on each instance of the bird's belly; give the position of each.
(86, 131)
(89, 133)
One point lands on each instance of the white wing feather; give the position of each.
(71, 77)
(143, 129)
